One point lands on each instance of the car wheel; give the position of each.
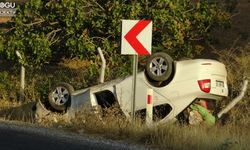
(60, 96)
(159, 67)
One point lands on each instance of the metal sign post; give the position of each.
(136, 40)
(135, 70)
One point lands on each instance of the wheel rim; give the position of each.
(60, 96)
(158, 66)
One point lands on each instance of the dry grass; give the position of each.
(113, 125)
(16, 111)
(189, 137)
(171, 136)
(75, 63)
(4, 19)
(237, 61)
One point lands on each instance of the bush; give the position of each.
(45, 31)
(238, 67)
(8, 86)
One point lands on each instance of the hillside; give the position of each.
(237, 35)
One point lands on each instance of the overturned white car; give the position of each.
(176, 85)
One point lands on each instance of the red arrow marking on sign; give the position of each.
(133, 41)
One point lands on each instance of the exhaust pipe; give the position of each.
(235, 100)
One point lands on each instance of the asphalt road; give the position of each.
(20, 137)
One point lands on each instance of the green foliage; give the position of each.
(48, 30)
(8, 88)
(181, 26)
(1, 43)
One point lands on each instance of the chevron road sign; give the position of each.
(136, 37)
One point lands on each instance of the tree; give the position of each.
(46, 30)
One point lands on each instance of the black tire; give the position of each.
(60, 96)
(159, 67)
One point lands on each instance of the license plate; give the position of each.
(219, 83)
